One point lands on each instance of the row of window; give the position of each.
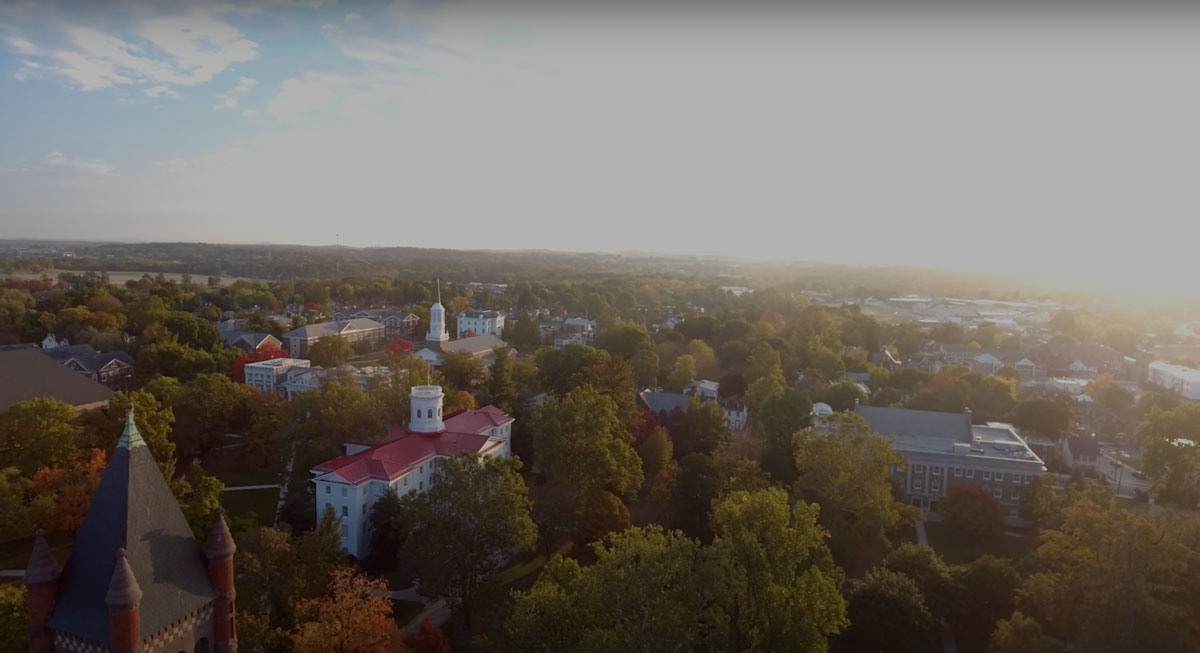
(968, 472)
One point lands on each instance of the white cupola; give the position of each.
(425, 412)
(437, 319)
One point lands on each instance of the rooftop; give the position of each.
(333, 328)
(27, 372)
(923, 431)
(1178, 371)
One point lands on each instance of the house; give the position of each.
(136, 579)
(1180, 378)
(986, 364)
(301, 379)
(703, 390)
(736, 414)
(481, 323)
(111, 369)
(270, 375)
(885, 359)
(406, 461)
(668, 408)
(354, 331)
(926, 363)
(396, 324)
(1080, 453)
(944, 450)
(562, 339)
(1027, 369)
(27, 372)
(250, 342)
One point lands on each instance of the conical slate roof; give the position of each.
(134, 509)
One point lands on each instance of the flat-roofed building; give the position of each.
(1180, 378)
(269, 375)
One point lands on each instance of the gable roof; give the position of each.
(474, 344)
(134, 509)
(402, 450)
(88, 359)
(664, 402)
(1083, 446)
(27, 372)
(335, 327)
(903, 422)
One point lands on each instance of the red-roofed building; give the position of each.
(405, 460)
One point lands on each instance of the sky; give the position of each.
(1056, 139)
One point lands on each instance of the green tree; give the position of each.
(501, 389)
(102, 428)
(777, 424)
(986, 590)
(993, 399)
(603, 513)
(887, 614)
(703, 429)
(844, 395)
(705, 358)
(524, 333)
(931, 574)
(475, 509)
(656, 453)
(682, 373)
(330, 351)
(847, 471)
(579, 438)
(561, 370)
(37, 433)
(595, 609)
(973, 515)
(389, 526)
(697, 485)
(1018, 634)
(199, 496)
(1170, 454)
(781, 587)
(14, 618)
(204, 409)
(1043, 416)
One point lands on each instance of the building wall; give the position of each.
(928, 478)
(481, 325)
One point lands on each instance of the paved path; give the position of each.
(283, 489)
(12, 573)
(269, 486)
(437, 612)
(921, 537)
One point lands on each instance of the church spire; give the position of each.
(130, 437)
(439, 290)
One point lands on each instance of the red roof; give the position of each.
(402, 449)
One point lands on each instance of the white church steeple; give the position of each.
(437, 319)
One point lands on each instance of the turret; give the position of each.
(425, 405)
(41, 582)
(124, 601)
(437, 319)
(219, 550)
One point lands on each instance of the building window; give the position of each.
(364, 508)
(1012, 512)
(936, 486)
(937, 471)
(918, 469)
(421, 485)
(970, 473)
(917, 484)
(343, 491)
(345, 511)
(998, 492)
(987, 475)
(328, 489)
(1016, 495)
(999, 476)
(345, 532)
(958, 472)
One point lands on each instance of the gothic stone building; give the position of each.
(136, 580)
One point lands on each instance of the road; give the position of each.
(1111, 469)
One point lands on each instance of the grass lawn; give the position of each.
(956, 552)
(526, 564)
(241, 503)
(232, 468)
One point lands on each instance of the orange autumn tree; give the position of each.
(71, 486)
(270, 352)
(355, 616)
(430, 639)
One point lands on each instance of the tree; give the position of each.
(993, 399)
(102, 428)
(703, 428)
(462, 370)
(328, 416)
(764, 362)
(194, 332)
(355, 617)
(777, 424)
(20, 511)
(561, 370)
(844, 395)
(1018, 634)
(781, 587)
(267, 418)
(656, 453)
(579, 438)
(38, 433)
(697, 485)
(204, 411)
(270, 352)
(682, 373)
(1170, 454)
(973, 515)
(705, 358)
(70, 487)
(603, 513)
(847, 471)
(593, 610)
(931, 574)
(524, 333)
(986, 588)
(1042, 415)
(500, 386)
(887, 613)
(14, 618)
(199, 495)
(1112, 580)
(430, 639)
(474, 513)
(389, 526)
(330, 351)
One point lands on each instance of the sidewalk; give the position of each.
(269, 486)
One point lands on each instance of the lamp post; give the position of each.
(1120, 469)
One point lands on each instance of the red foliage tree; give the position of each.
(71, 486)
(430, 639)
(270, 352)
(399, 347)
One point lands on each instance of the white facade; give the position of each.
(481, 322)
(437, 320)
(269, 376)
(425, 409)
(1181, 379)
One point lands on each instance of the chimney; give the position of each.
(124, 599)
(41, 582)
(219, 551)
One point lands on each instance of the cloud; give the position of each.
(309, 93)
(351, 17)
(162, 89)
(180, 50)
(230, 100)
(58, 160)
(249, 113)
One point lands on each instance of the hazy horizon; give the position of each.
(1047, 140)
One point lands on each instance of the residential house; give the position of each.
(27, 372)
(250, 342)
(406, 461)
(944, 450)
(481, 323)
(1080, 453)
(704, 390)
(112, 369)
(354, 331)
